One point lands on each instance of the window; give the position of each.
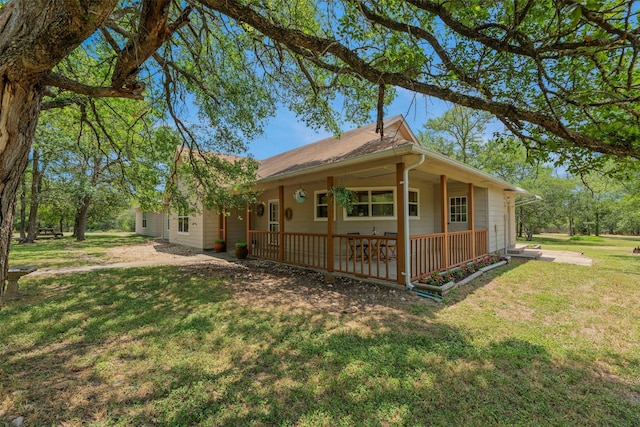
(274, 215)
(376, 204)
(144, 220)
(274, 222)
(183, 221)
(322, 205)
(373, 204)
(458, 209)
(413, 204)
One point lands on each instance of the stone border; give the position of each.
(447, 287)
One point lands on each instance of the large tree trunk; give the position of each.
(36, 188)
(20, 108)
(81, 219)
(35, 36)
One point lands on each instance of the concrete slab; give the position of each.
(566, 257)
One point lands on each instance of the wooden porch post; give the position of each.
(400, 259)
(221, 227)
(330, 228)
(444, 218)
(247, 214)
(224, 226)
(281, 223)
(471, 217)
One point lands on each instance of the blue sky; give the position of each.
(285, 132)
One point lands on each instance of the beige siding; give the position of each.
(166, 224)
(194, 237)
(154, 224)
(496, 226)
(510, 212)
(210, 229)
(303, 214)
(236, 228)
(481, 207)
(425, 224)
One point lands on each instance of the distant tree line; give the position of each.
(603, 199)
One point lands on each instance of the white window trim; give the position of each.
(277, 220)
(144, 220)
(184, 233)
(346, 218)
(415, 190)
(466, 205)
(315, 206)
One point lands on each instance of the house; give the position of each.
(153, 224)
(417, 211)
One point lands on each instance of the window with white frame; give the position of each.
(144, 220)
(458, 209)
(183, 221)
(413, 204)
(375, 203)
(378, 203)
(321, 205)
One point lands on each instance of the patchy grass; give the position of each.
(67, 252)
(530, 343)
(587, 238)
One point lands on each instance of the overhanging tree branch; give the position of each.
(321, 46)
(62, 82)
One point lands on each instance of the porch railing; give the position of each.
(368, 255)
(482, 244)
(426, 254)
(427, 250)
(303, 249)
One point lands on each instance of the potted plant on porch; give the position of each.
(242, 250)
(219, 245)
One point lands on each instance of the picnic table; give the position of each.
(13, 275)
(49, 231)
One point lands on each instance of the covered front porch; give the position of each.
(370, 256)
(395, 248)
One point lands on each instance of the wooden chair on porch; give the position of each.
(357, 247)
(387, 248)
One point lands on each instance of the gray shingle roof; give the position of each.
(353, 143)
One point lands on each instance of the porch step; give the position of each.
(526, 253)
(517, 249)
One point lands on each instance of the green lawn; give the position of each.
(67, 252)
(530, 343)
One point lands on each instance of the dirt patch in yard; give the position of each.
(151, 250)
(265, 283)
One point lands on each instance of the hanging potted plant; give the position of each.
(344, 197)
(300, 195)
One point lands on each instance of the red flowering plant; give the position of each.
(467, 270)
(457, 274)
(438, 279)
(486, 261)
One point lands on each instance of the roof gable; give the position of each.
(353, 143)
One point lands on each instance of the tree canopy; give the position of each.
(561, 75)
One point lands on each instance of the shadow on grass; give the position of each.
(167, 347)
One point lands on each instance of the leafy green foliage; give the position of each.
(459, 133)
